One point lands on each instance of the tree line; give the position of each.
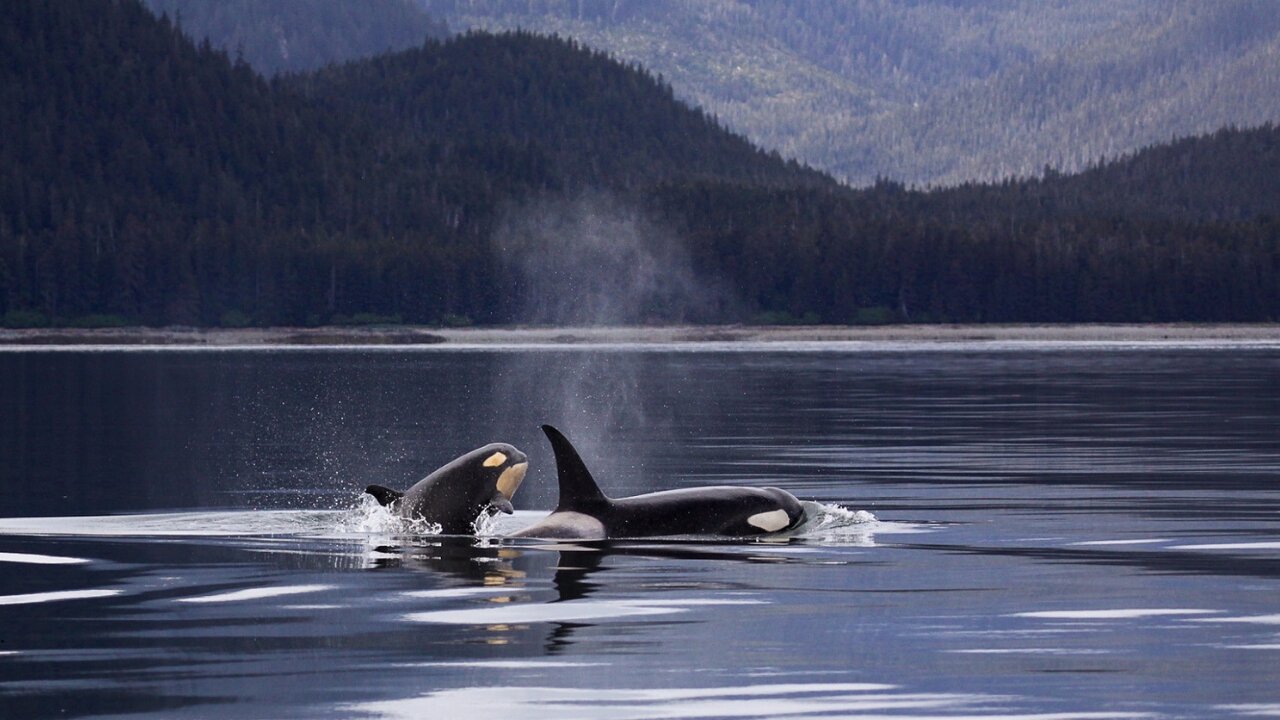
(145, 179)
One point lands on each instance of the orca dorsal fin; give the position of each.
(578, 490)
(384, 496)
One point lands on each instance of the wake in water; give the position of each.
(830, 524)
(825, 524)
(372, 518)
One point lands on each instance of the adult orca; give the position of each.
(483, 480)
(586, 513)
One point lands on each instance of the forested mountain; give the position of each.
(937, 91)
(277, 36)
(548, 112)
(1189, 231)
(1231, 175)
(516, 178)
(148, 179)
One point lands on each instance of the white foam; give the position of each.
(372, 518)
(1116, 614)
(863, 700)
(1136, 541)
(831, 524)
(458, 592)
(257, 593)
(228, 523)
(1254, 709)
(826, 524)
(564, 612)
(485, 526)
(1230, 546)
(1029, 651)
(1250, 619)
(367, 519)
(508, 664)
(40, 559)
(57, 596)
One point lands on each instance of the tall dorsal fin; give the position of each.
(384, 496)
(578, 490)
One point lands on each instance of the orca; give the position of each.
(483, 480)
(585, 513)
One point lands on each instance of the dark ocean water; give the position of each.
(1021, 531)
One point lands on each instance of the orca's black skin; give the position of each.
(585, 513)
(483, 480)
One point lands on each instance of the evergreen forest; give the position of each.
(512, 178)
(936, 92)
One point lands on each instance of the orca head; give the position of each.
(501, 468)
(483, 480)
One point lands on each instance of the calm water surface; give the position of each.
(1014, 532)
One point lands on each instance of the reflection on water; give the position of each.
(1029, 533)
(822, 700)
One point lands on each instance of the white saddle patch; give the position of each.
(567, 524)
(771, 521)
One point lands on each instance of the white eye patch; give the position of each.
(495, 459)
(771, 521)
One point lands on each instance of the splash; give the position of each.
(485, 526)
(371, 518)
(372, 523)
(830, 524)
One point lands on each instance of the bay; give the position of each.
(1015, 531)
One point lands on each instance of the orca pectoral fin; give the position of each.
(384, 496)
(500, 503)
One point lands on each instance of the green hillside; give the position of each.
(937, 91)
(546, 112)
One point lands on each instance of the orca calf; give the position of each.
(585, 513)
(483, 480)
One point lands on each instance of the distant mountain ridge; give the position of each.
(584, 120)
(517, 178)
(937, 91)
(280, 36)
(1232, 175)
(151, 180)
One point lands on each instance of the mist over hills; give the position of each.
(278, 36)
(937, 91)
(517, 178)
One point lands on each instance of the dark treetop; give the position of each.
(145, 179)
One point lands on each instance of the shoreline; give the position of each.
(662, 335)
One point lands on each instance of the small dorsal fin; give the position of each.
(578, 490)
(384, 496)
